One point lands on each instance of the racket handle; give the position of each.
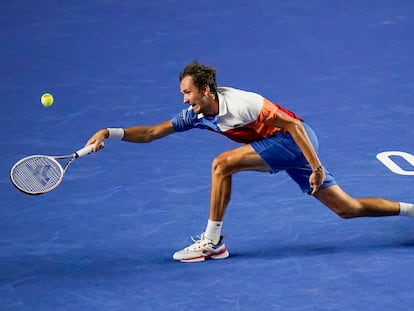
(84, 151)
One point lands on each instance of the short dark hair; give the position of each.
(203, 75)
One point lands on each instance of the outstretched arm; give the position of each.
(135, 134)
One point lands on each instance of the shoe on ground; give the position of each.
(201, 250)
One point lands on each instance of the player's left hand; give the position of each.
(316, 180)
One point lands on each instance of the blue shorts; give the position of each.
(281, 153)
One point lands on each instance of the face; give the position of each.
(200, 101)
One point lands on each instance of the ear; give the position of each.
(206, 90)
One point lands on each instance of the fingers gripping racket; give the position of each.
(39, 174)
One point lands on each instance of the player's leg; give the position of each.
(347, 207)
(338, 200)
(210, 244)
(244, 158)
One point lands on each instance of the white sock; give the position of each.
(406, 209)
(213, 230)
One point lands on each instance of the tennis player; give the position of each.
(273, 139)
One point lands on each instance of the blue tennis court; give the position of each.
(104, 239)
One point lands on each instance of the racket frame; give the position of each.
(54, 159)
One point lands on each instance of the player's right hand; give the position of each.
(97, 140)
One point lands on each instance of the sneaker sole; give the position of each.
(223, 255)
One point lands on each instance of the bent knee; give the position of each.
(351, 210)
(341, 203)
(346, 214)
(222, 164)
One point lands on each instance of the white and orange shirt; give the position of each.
(243, 116)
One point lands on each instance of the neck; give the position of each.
(214, 106)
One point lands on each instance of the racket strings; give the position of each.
(37, 174)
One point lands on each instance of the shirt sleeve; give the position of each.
(184, 120)
(268, 113)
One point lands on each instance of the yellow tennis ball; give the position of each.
(47, 100)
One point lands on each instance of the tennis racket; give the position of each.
(39, 174)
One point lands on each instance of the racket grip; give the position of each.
(84, 151)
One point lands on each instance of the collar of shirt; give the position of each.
(222, 104)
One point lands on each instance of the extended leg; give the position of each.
(347, 207)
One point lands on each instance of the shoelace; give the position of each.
(197, 238)
(199, 242)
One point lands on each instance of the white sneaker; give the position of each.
(201, 250)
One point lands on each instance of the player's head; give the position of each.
(202, 76)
